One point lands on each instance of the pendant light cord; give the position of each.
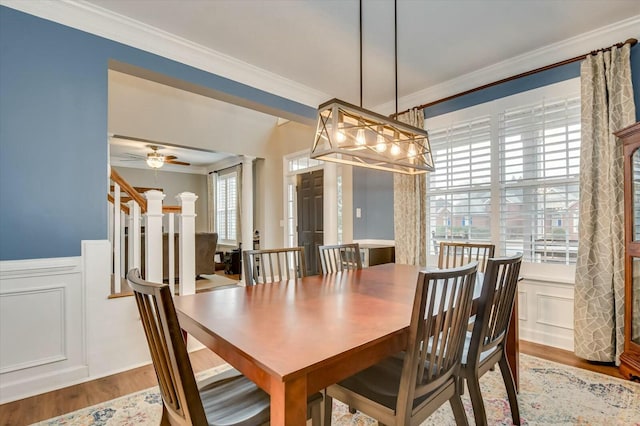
(395, 35)
(361, 54)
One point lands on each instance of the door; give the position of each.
(310, 206)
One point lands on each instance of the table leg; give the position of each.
(513, 345)
(288, 402)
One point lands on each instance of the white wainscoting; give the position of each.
(42, 335)
(545, 311)
(58, 326)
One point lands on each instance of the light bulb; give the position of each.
(340, 136)
(411, 152)
(395, 149)
(360, 138)
(381, 145)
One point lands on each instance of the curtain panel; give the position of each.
(409, 207)
(607, 106)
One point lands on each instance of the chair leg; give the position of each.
(328, 407)
(477, 403)
(458, 410)
(510, 385)
(164, 421)
(316, 414)
(352, 410)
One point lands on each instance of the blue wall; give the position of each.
(371, 226)
(374, 196)
(53, 131)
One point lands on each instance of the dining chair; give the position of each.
(452, 254)
(339, 257)
(272, 265)
(485, 345)
(406, 389)
(227, 398)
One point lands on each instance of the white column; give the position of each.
(246, 214)
(187, 242)
(133, 236)
(153, 236)
(330, 203)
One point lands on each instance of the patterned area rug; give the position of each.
(550, 394)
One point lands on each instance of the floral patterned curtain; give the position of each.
(409, 208)
(607, 106)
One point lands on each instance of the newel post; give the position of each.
(187, 242)
(153, 236)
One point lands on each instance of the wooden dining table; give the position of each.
(294, 338)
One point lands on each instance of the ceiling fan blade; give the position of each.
(179, 163)
(170, 157)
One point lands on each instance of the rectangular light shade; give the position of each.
(352, 135)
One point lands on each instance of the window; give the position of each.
(459, 188)
(226, 207)
(508, 171)
(539, 179)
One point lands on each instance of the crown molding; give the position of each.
(569, 48)
(95, 20)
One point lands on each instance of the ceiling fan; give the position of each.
(155, 160)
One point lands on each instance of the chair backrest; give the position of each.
(168, 351)
(494, 306)
(339, 257)
(441, 310)
(453, 254)
(272, 265)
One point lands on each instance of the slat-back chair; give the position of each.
(227, 398)
(485, 345)
(273, 265)
(453, 254)
(406, 389)
(339, 257)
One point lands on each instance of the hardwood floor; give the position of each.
(51, 404)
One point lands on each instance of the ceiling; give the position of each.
(125, 152)
(315, 43)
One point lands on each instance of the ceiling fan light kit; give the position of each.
(353, 135)
(155, 160)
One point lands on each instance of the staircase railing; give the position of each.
(126, 215)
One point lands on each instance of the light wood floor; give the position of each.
(51, 404)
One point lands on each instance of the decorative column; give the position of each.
(330, 203)
(187, 242)
(153, 236)
(246, 205)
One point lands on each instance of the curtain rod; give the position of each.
(631, 41)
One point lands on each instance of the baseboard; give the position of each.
(43, 383)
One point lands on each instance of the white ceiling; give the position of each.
(315, 42)
(125, 152)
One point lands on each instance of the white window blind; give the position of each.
(226, 207)
(459, 191)
(507, 172)
(539, 147)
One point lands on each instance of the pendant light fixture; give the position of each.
(353, 135)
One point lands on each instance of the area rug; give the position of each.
(550, 394)
(210, 282)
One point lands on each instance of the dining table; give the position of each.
(293, 338)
